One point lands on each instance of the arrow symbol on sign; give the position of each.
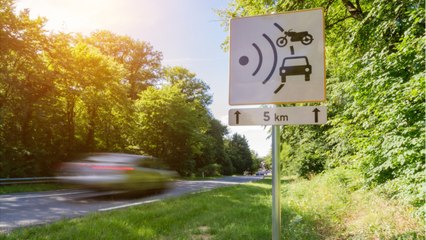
(237, 114)
(316, 111)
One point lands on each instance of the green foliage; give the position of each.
(256, 162)
(210, 140)
(213, 146)
(239, 154)
(169, 127)
(173, 122)
(375, 86)
(303, 152)
(195, 89)
(141, 62)
(62, 94)
(211, 170)
(387, 108)
(26, 94)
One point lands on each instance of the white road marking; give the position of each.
(41, 196)
(213, 181)
(128, 205)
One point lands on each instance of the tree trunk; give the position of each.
(355, 11)
(90, 140)
(25, 133)
(70, 124)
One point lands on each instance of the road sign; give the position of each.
(277, 58)
(278, 116)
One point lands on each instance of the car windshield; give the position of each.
(294, 62)
(110, 158)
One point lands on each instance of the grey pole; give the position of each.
(276, 184)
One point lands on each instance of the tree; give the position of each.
(59, 94)
(257, 162)
(175, 124)
(89, 92)
(26, 86)
(195, 89)
(211, 142)
(169, 127)
(238, 151)
(98, 87)
(140, 60)
(213, 148)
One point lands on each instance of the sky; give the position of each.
(187, 32)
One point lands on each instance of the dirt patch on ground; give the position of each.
(202, 233)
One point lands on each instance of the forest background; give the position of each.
(62, 94)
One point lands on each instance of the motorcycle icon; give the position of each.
(303, 37)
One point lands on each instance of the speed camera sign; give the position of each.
(277, 58)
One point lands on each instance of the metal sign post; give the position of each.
(276, 184)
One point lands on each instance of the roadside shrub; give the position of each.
(311, 164)
(211, 170)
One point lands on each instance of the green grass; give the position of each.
(36, 187)
(346, 211)
(329, 206)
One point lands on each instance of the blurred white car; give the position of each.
(116, 171)
(263, 173)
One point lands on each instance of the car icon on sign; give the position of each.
(295, 66)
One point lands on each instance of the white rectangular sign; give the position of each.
(278, 58)
(278, 116)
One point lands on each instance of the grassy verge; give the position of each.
(37, 187)
(327, 207)
(346, 211)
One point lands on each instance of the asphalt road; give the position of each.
(26, 209)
